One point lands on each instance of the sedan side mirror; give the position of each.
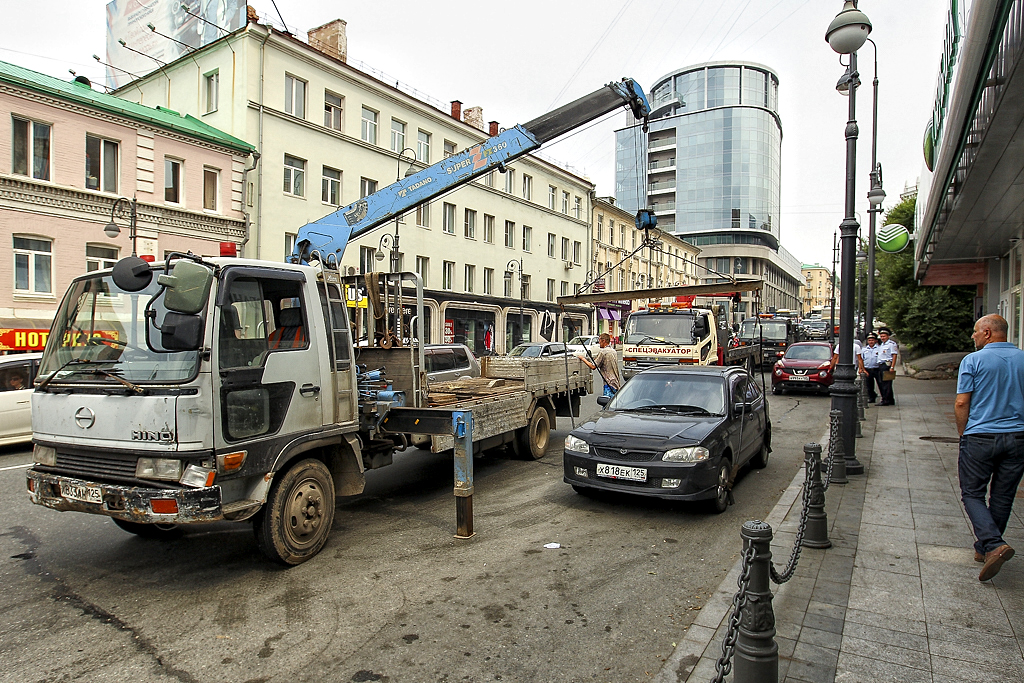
(603, 400)
(741, 407)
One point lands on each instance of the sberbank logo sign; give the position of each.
(947, 66)
(892, 238)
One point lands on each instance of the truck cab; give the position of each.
(775, 335)
(669, 335)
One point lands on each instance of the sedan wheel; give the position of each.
(721, 500)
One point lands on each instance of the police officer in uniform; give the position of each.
(888, 352)
(872, 365)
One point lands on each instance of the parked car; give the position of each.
(539, 350)
(816, 329)
(17, 372)
(807, 365)
(673, 432)
(447, 362)
(582, 343)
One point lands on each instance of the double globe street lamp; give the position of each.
(516, 266)
(846, 34)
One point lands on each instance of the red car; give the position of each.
(806, 365)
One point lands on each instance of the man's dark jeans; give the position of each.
(990, 464)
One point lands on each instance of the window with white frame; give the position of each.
(294, 96)
(510, 234)
(100, 164)
(367, 187)
(447, 275)
(622, 236)
(294, 176)
(526, 286)
(488, 280)
(527, 187)
(32, 265)
(510, 181)
(469, 278)
(422, 268)
(366, 259)
(577, 207)
(489, 179)
(397, 136)
(449, 148)
(334, 110)
(576, 249)
(507, 291)
(98, 257)
(565, 203)
(423, 215)
(172, 181)
(211, 188)
(470, 227)
(368, 126)
(330, 186)
(564, 291)
(600, 227)
(211, 91)
(611, 232)
(488, 229)
(423, 146)
(527, 238)
(552, 239)
(289, 243)
(552, 196)
(448, 218)
(551, 290)
(30, 153)
(565, 248)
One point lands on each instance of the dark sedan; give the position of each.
(679, 433)
(807, 365)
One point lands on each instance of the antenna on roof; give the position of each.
(280, 17)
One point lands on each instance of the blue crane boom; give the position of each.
(329, 235)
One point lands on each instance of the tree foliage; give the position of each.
(926, 319)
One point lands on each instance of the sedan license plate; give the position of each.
(619, 472)
(798, 378)
(87, 494)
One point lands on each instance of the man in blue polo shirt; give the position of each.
(990, 419)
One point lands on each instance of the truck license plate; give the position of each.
(619, 472)
(87, 494)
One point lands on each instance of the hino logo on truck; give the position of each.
(152, 435)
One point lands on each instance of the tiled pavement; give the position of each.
(897, 597)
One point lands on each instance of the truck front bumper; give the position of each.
(129, 503)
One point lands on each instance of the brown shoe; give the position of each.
(994, 561)
(979, 557)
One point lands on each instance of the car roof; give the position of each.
(14, 357)
(810, 343)
(706, 370)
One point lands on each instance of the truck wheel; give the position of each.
(296, 520)
(164, 532)
(535, 437)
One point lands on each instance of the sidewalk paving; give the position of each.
(897, 597)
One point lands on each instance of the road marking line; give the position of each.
(15, 467)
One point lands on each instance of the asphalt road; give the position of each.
(393, 596)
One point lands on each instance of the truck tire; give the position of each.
(535, 437)
(296, 520)
(164, 532)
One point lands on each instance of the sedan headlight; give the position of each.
(158, 468)
(687, 454)
(576, 444)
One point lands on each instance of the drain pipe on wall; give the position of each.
(247, 197)
(259, 147)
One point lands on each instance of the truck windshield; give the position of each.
(772, 330)
(650, 329)
(99, 333)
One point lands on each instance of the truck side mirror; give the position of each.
(181, 332)
(188, 287)
(700, 327)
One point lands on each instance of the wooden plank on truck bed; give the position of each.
(491, 417)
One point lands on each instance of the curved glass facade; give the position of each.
(713, 153)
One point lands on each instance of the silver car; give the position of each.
(17, 372)
(447, 362)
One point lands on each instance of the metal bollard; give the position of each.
(816, 535)
(757, 653)
(835, 442)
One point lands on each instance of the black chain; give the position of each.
(794, 557)
(739, 601)
(833, 436)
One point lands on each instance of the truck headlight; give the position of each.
(576, 444)
(44, 455)
(158, 468)
(687, 454)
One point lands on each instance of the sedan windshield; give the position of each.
(528, 351)
(100, 336)
(814, 352)
(677, 392)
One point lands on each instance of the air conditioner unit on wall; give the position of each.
(568, 265)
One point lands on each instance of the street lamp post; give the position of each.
(391, 241)
(123, 206)
(846, 34)
(876, 195)
(517, 266)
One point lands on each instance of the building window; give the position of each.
(611, 232)
(488, 229)
(423, 147)
(448, 218)
(470, 224)
(577, 207)
(294, 96)
(622, 236)
(331, 186)
(367, 187)
(294, 176)
(31, 152)
(211, 90)
(449, 148)
(99, 257)
(527, 238)
(423, 215)
(634, 237)
(100, 164)
(565, 248)
(564, 289)
(551, 244)
(488, 280)
(211, 187)
(470, 277)
(422, 267)
(368, 127)
(600, 227)
(447, 275)
(551, 290)
(510, 181)
(510, 234)
(334, 107)
(172, 181)
(565, 203)
(366, 257)
(552, 196)
(576, 248)
(397, 136)
(289, 243)
(489, 179)
(32, 265)
(526, 286)
(527, 187)
(508, 284)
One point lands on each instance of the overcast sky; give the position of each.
(519, 63)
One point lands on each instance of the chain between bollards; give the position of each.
(817, 520)
(836, 450)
